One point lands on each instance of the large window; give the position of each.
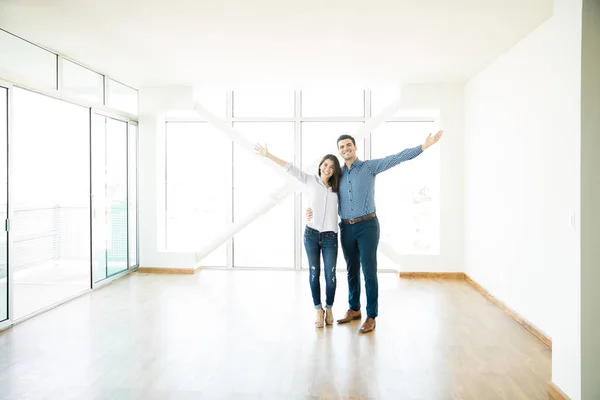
(198, 188)
(300, 127)
(409, 212)
(26, 63)
(269, 240)
(61, 238)
(50, 256)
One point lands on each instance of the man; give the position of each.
(359, 226)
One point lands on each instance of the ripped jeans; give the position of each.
(315, 243)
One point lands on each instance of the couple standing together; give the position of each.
(349, 192)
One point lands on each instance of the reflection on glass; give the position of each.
(109, 193)
(269, 240)
(132, 196)
(318, 139)
(50, 230)
(3, 204)
(99, 233)
(198, 164)
(116, 196)
(408, 195)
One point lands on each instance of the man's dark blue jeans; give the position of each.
(317, 243)
(359, 243)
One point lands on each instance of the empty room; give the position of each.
(299, 200)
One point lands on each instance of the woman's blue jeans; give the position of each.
(325, 243)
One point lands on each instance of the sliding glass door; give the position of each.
(3, 204)
(50, 206)
(61, 240)
(109, 197)
(132, 188)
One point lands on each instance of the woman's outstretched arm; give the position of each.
(289, 167)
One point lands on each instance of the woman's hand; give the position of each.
(263, 151)
(309, 214)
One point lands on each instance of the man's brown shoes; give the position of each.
(368, 325)
(351, 315)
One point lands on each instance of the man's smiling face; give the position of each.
(347, 149)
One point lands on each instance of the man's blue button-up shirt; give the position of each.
(357, 186)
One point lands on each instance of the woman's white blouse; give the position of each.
(321, 200)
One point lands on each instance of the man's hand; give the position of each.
(263, 151)
(431, 139)
(308, 214)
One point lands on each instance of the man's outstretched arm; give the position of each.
(383, 164)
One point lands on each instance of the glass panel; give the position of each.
(99, 232)
(26, 61)
(269, 240)
(408, 194)
(3, 204)
(50, 256)
(198, 175)
(81, 82)
(319, 139)
(132, 197)
(121, 97)
(334, 102)
(263, 103)
(116, 196)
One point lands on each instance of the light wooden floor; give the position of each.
(250, 335)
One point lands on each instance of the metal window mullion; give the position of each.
(91, 182)
(263, 119)
(231, 214)
(137, 196)
(10, 208)
(298, 163)
(333, 119)
(127, 183)
(59, 76)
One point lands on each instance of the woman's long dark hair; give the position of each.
(334, 180)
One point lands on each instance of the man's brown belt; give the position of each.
(359, 219)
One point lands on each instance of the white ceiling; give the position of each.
(155, 42)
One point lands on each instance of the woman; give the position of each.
(321, 232)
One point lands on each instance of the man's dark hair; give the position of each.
(344, 137)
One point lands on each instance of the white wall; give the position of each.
(449, 99)
(522, 183)
(154, 102)
(590, 198)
